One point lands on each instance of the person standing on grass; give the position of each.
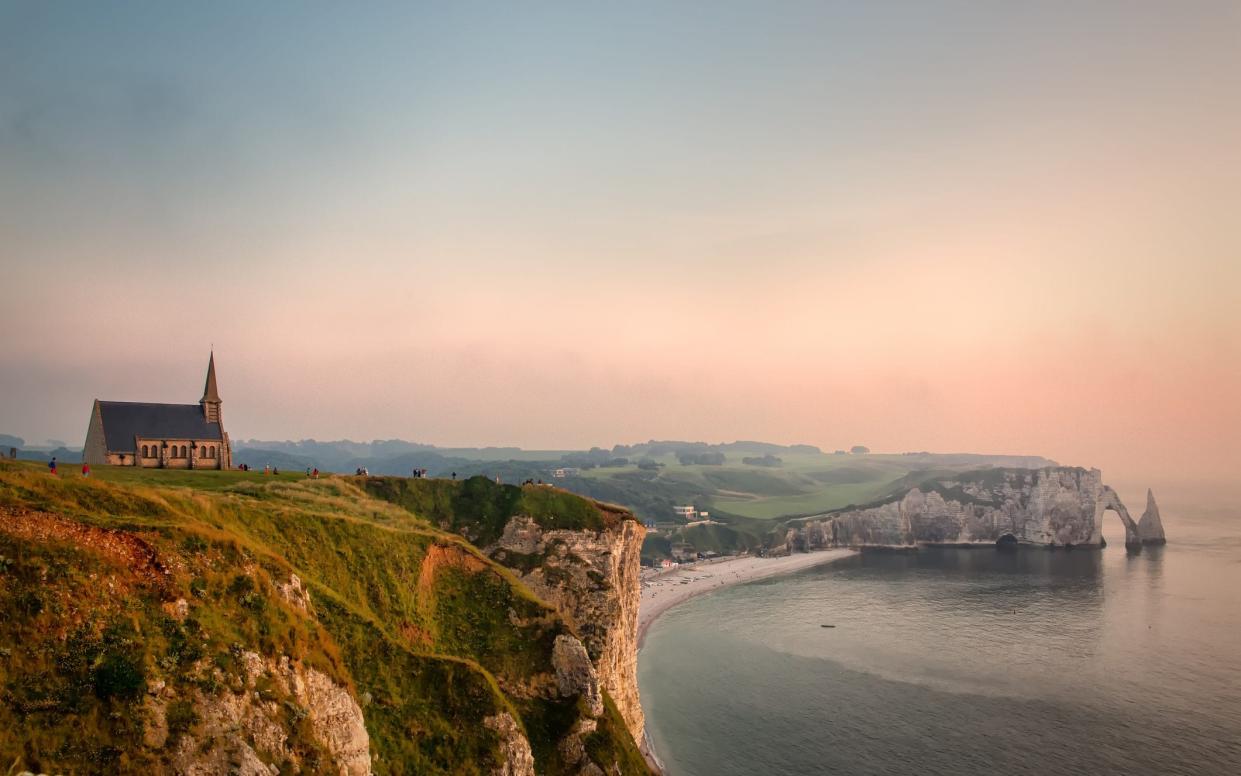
(85, 469)
(51, 466)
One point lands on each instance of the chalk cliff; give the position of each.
(1054, 506)
(592, 577)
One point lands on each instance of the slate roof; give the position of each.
(123, 420)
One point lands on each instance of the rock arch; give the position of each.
(1112, 501)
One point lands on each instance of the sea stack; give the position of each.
(1150, 527)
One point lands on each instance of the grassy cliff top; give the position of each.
(427, 632)
(479, 508)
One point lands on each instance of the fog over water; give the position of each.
(964, 661)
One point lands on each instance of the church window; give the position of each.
(184, 453)
(144, 452)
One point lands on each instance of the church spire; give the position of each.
(210, 392)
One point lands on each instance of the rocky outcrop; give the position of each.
(244, 729)
(592, 577)
(1150, 527)
(295, 594)
(1055, 506)
(517, 759)
(575, 675)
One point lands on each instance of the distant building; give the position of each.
(165, 436)
(568, 471)
(683, 551)
(685, 513)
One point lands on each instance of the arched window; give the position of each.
(184, 452)
(211, 451)
(144, 451)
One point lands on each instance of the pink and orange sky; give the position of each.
(946, 226)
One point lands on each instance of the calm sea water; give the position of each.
(964, 662)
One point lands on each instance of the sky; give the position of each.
(947, 226)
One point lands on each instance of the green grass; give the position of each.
(407, 615)
(823, 500)
(199, 479)
(805, 484)
(479, 508)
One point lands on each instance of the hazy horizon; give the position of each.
(936, 226)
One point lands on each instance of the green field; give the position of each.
(804, 484)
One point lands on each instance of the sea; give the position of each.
(964, 661)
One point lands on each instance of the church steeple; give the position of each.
(211, 394)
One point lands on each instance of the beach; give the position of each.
(662, 591)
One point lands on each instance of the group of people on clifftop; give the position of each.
(52, 467)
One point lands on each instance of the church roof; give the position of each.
(123, 420)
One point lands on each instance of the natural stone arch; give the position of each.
(1112, 501)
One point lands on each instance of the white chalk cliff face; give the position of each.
(592, 577)
(1056, 506)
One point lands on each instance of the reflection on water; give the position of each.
(962, 661)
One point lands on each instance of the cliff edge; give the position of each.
(581, 556)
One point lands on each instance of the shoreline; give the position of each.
(666, 589)
(661, 592)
